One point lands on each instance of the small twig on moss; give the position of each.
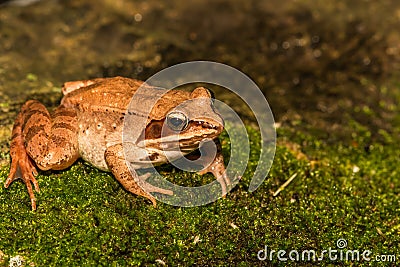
(284, 185)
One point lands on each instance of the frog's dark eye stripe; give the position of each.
(212, 95)
(177, 121)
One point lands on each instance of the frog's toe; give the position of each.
(153, 201)
(221, 177)
(223, 184)
(30, 191)
(151, 188)
(145, 176)
(23, 168)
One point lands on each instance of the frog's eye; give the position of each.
(177, 121)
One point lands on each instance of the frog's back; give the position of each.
(114, 93)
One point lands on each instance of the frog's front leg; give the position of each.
(50, 142)
(217, 168)
(116, 162)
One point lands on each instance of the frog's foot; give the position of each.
(23, 167)
(132, 186)
(217, 168)
(129, 178)
(151, 188)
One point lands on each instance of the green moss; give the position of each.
(84, 216)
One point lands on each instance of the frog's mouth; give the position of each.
(159, 136)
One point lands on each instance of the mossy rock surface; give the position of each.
(330, 71)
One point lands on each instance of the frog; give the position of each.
(89, 124)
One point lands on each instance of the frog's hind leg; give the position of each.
(21, 164)
(50, 142)
(129, 179)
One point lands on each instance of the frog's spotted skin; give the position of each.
(89, 124)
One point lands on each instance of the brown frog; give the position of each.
(89, 124)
